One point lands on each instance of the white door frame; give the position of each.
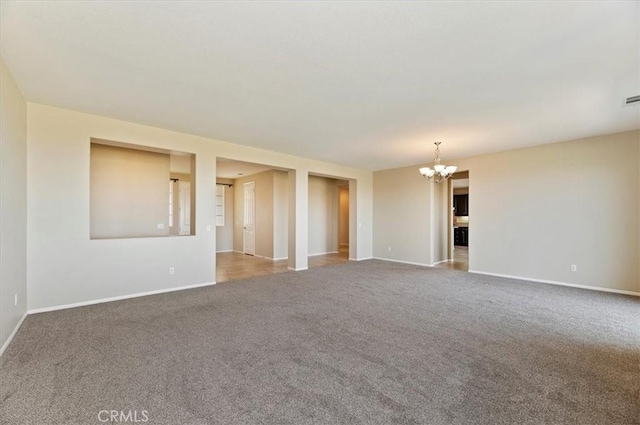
(249, 222)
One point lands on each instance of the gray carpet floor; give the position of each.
(357, 343)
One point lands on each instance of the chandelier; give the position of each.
(439, 172)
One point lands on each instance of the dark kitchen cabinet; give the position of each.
(461, 236)
(461, 205)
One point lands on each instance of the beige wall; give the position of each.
(323, 215)
(536, 211)
(402, 216)
(280, 214)
(343, 224)
(66, 267)
(129, 193)
(13, 204)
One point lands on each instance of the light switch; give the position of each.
(160, 226)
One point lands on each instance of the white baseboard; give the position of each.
(228, 250)
(298, 270)
(264, 257)
(440, 262)
(12, 334)
(324, 253)
(118, 298)
(553, 282)
(403, 262)
(360, 259)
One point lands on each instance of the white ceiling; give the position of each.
(366, 84)
(229, 169)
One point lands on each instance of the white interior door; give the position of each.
(184, 195)
(249, 225)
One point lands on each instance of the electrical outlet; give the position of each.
(574, 268)
(172, 270)
(389, 249)
(160, 226)
(15, 299)
(208, 227)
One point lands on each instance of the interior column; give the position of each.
(354, 225)
(298, 219)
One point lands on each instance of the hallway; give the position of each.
(235, 265)
(460, 260)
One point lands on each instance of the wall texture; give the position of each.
(323, 215)
(402, 216)
(536, 211)
(67, 267)
(343, 224)
(13, 204)
(129, 192)
(280, 214)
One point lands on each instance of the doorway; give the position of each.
(248, 233)
(343, 219)
(458, 222)
(252, 220)
(328, 220)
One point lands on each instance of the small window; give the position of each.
(220, 205)
(171, 182)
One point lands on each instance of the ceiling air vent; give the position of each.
(632, 100)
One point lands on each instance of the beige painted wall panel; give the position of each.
(323, 215)
(343, 224)
(280, 214)
(129, 193)
(536, 211)
(402, 217)
(13, 203)
(264, 217)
